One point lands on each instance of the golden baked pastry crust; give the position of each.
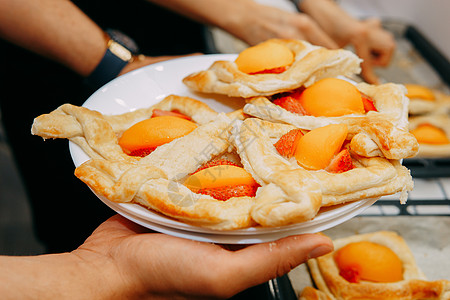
(372, 178)
(377, 133)
(440, 121)
(81, 125)
(311, 63)
(154, 181)
(414, 285)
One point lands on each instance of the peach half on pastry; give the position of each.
(329, 97)
(267, 57)
(143, 137)
(416, 91)
(320, 148)
(222, 180)
(368, 261)
(430, 134)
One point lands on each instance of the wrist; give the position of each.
(120, 51)
(96, 276)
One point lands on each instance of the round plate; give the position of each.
(149, 85)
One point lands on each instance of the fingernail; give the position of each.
(319, 251)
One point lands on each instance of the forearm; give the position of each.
(56, 276)
(55, 29)
(228, 15)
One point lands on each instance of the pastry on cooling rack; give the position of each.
(424, 100)
(295, 167)
(377, 116)
(433, 134)
(376, 265)
(272, 67)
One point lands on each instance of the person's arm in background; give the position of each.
(250, 21)
(58, 30)
(371, 42)
(122, 260)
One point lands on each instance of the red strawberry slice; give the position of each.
(159, 112)
(216, 162)
(142, 152)
(227, 192)
(286, 144)
(342, 162)
(291, 103)
(270, 71)
(368, 103)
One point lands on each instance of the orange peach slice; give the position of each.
(317, 147)
(265, 56)
(429, 134)
(332, 97)
(368, 261)
(218, 176)
(154, 132)
(419, 91)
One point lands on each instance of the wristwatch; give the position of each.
(121, 50)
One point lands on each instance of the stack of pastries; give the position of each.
(307, 138)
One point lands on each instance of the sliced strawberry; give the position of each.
(350, 274)
(216, 162)
(286, 144)
(142, 152)
(291, 103)
(227, 192)
(270, 71)
(159, 112)
(368, 103)
(342, 162)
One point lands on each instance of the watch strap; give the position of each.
(116, 57)
(108, 69)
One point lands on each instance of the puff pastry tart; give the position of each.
(433, 134)
(299, 169)
(376, 265)
(157, 180)
(424, 100)
(272, 67)
(377, 116)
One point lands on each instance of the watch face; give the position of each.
(124, 40)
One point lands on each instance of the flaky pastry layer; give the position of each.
(97, 133)
(377, 133)
(291, 186)
(154, 181)
(325, 274)
(311, 63)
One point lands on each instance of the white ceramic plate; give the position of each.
(151, 84)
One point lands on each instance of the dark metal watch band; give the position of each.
(108, 69)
